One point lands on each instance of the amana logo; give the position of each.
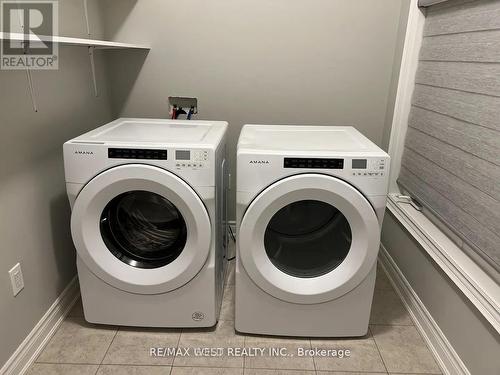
(259, 162)
(79, 152)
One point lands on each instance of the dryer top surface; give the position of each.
(304, 138)
(156, 131)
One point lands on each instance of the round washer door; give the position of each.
(141, 229)
(309, 238)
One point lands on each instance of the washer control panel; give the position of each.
(191, 159)
(373, 167)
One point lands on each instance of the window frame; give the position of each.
(478, 286)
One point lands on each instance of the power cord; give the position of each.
(234, 240)
(232, 233)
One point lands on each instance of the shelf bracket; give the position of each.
(86, 13)
(91, 48)
(92, 69)
(31, 86)
(32, 89)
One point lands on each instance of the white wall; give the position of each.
(280, 61)
(34, 210)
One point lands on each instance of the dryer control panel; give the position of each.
(372, 167)
(191, 159)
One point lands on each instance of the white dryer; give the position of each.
(147, 221)
(310, 203)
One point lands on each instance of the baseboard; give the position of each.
(33, 344)
(446, 356)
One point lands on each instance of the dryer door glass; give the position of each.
(143, 229)
(307, 238)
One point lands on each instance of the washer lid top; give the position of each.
(156, 131)
(305, 138)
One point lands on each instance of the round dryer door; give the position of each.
(141, 229)
(309, 238)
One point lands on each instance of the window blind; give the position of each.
(451, 161)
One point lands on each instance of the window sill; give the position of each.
(479, 287)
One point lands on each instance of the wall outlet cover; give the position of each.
(16, 279)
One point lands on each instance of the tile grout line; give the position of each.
(176, 347)
(314, 362)
(378, 349)
(106, 352)
(67, 363)
(406, 325)
(52, 338)
(356, 372)
(244, 358)
(122, 365)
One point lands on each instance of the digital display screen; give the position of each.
(359, 163)
(137, 153)
(182, 155)
(313, 163)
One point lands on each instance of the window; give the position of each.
(445, 143)
(451, 158)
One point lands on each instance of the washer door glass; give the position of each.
(143, 229)
(307, 238)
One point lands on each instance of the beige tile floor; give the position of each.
(392, 346)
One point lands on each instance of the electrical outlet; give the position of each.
(16, 279)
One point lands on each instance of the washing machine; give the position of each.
(148, 222)
(310, 203)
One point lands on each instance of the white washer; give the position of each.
(148, 221)
(310, 203)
